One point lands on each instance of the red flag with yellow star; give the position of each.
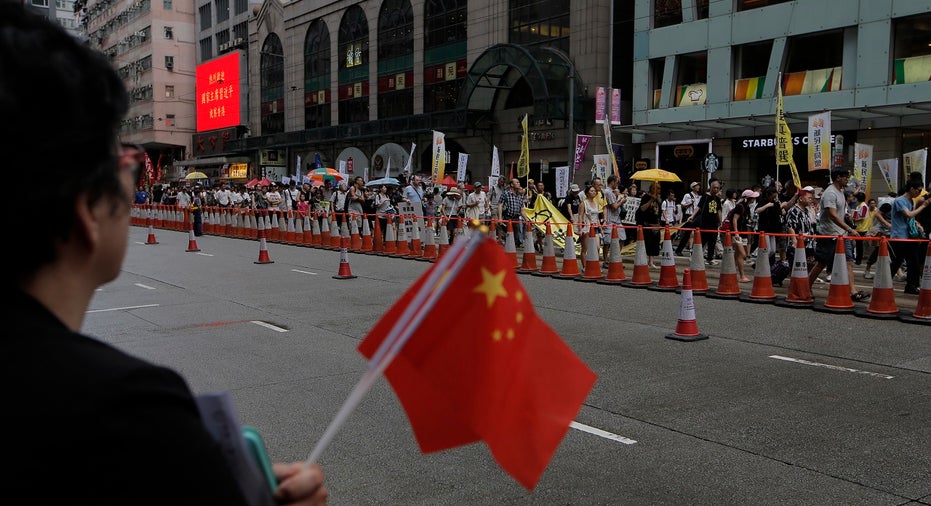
(482, 365)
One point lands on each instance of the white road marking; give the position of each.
(205, 254)
(268, 326)
(829, 366)
(304, 272)
(121, 308)
(598, 432)
(147, 287)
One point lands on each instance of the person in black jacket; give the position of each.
(86, 423)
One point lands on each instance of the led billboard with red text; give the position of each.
(218, 97)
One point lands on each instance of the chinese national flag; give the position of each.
(482, 365)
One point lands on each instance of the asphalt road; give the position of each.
(777, 406)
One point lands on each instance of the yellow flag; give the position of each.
(784, 153)
(439, 156)
(543, 212)
(523, 163)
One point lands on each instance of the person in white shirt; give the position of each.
(689, 207)
(669, 211)
(476, 205)
(223, 196)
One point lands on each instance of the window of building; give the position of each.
(271, 85)
(223, 10)
(353, 66)
(702, 10)
(169, 32)
(912, 49)
(657, 66)
(223, 37)
(395, 59)
(691, 79)
(445, 45)
(169, 91)
(814, 63)
(750, 65)
(40, 3)
(240, 6)
(241, 31)
(744, 5)
(166, 5)
(169, 62)
(206, 49)
(169, 120)
(206, 16)
(666, 13)
(317, 76)
(539, 22)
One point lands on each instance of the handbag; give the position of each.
(913, 232)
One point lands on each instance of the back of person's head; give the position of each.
(861, 197)
(913, 184)
(886, 208)
(62, 104)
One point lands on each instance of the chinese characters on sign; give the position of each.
(217, 89)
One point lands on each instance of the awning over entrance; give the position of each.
(548, 72)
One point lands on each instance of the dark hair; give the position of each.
(62, 103)
(886, 208)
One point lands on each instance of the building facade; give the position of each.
(67, 13)
(706, 75)
(360, 84)
(151, 44)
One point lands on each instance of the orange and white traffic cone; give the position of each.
(762, 290)
(191, 241)
(345, 238)
(416, 240)
(839, 300)
(442, 241)
(290, 234)
(697, 266)
(378, 239)
(922, 313)
(529, 259)
(727, 276)
(548, 262)
(799, 295)
(324, 232)
(641, 277)
(510, 249)
(151, 238)
(367, 242)
(344, 271)
(429, 242)
(687, 326)
(570, 266)
(307, 229)
(298, 220)
(355, 238)
(882, 303)
(263, 246)
(668, 278)
(391, 240)
(403, 248)
(592, 257)
(336, 236)
(615, 273)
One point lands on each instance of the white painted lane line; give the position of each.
(268, 326)
(304, 272)
(829, 366)
(121, 308)
(602, 433)
(147, 287)
(205, 254)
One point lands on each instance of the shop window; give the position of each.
(814, 63)
(912, 49)
(750, 65)
(667, 13)
(691, 79)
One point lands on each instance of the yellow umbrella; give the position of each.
(196, 175)
(656, 175)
